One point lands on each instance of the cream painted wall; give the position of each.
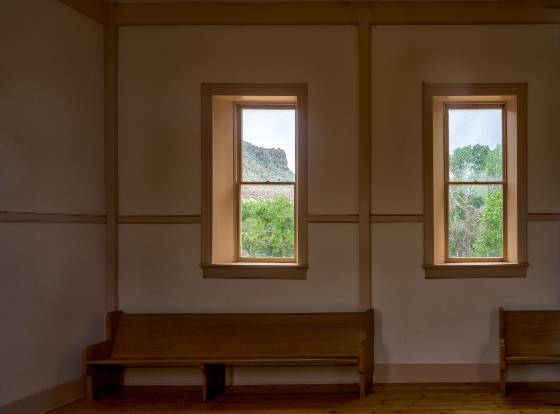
(161, 70)
(421, 321)
(418, 322)
(51, 161)
(160, 273)
(405, 56)
(51, 117)
(51, 303)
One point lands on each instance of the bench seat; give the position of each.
(195, 362)
(533, 359)
(213, 342)
(528, 337)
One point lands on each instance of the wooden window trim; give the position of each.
(514, 263)
(239, 107)
(474, 105)
(251, 94)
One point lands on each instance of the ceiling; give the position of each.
(292, 1)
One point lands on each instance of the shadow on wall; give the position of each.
(379, 347)
(489, 352)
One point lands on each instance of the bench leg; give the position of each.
(213, 381)
(103, 379)
(503, 379)
(366, 381)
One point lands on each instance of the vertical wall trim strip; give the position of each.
(111, 42)
(364, 113)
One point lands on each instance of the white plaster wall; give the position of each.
(161, 70)
(159, 272)
(51, 109)
(51, 303)
(418, 321)
(51, 161)
(405, 56)
(421, 321)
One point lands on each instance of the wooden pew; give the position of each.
(216, 341)
(528, 337)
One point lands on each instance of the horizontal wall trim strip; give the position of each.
(378, 13)
(418, 218)
(30, 217)
(332, 218)
(160, 219)
(397, 218)
(426, 373)
(95, 9)
(46, 400)
(544, 216)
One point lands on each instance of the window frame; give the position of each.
(514, 99)
(229, 268)
(474, 105)
(239, 183)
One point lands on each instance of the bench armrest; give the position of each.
(100, 350)
(365, 352)
(502, 354)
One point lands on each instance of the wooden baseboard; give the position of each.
(428, 373)
(46, 400)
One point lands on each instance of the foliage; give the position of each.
(476, 211)
(267, 227)
(490, 241)
(476, 163)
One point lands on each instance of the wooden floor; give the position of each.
(386, 399)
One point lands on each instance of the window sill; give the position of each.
(476, 270)
(254, 271)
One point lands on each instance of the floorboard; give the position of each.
(329, 399)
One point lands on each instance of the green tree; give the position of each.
(475, 212)
(267, 227)
(490, 241)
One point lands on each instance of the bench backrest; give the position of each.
(531, 332)
(238, 335)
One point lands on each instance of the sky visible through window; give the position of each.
(474, 126)
(272, 128)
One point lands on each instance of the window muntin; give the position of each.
(266, 183)
(475, 140)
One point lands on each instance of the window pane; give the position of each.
(475, 145)
(269, 145)
(476, 218)
(267, 221)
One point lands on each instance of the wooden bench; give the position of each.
(528, 337)
(215, 341)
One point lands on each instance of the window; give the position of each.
(254, 181)
(266, 182)
(475, 181)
